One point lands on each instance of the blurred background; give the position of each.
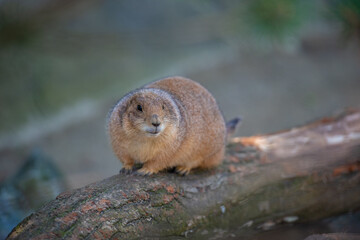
(64, 63)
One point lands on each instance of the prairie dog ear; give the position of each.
(121, 112)
(121, 107)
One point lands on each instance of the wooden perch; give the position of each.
(302, 174)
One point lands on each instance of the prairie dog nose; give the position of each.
(155, 120)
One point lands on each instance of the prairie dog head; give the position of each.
(146, 113)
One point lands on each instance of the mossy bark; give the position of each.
(302, 174)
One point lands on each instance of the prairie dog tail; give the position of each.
(231, 126)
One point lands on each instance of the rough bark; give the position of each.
(301, 174)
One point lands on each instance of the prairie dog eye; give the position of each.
(139, 108)
(163, 107)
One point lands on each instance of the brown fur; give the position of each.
(193, 129)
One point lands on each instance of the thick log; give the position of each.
(301, 174)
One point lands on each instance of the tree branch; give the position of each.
(301, 174)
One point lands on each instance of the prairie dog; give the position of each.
(172, 122)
